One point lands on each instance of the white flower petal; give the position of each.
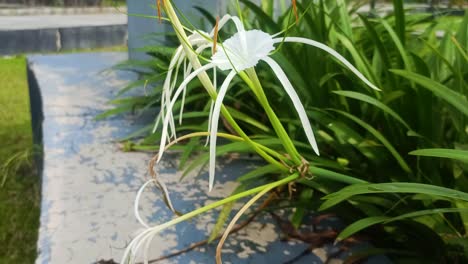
(296, 101)
(138, 198)
(168, 83)
(171, 105)
(182, 106)
(178, 55)
(130, 252)
(214, 125)
(137, 202)
(227, 18)
(209, 122)
(243, 50)
(331, 52)
(215, 85)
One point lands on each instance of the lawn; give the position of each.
(20, 193)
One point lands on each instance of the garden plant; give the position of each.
(381, 98)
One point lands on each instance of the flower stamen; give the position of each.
(215, 37)
(158, 4)
(294, 5)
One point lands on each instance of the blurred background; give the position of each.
(60, 27)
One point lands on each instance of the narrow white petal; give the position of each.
(172, 87)
(138, 198)
(203, 47)
(331, 52)
(215, 80)
(243, 50)
(171, 105)
(221, 24)
(137, 203)
(185, 69)
(225, 19)
(182, 106)
(209, 122)
(144, 238)
(169, 84)
(166, 195)
(214, 125)
(215, 85)
(238, 23)
(130, 252)
(296, 101)
(166, 85)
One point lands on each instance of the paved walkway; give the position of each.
(89, 184)
(52, 33)
(22, 10)
(60, 21)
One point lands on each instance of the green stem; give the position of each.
(229, 199)
(206, 82)
(254, 83)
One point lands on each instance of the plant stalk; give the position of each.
(206, 82)
(229, 199)
(254, 83)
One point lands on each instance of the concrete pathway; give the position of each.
(52, 33)
(60, 21)
(89, 184)
(24, 10)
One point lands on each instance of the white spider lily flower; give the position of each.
(146, 234)
(245, 49)
(179, 58)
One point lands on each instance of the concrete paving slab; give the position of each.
(60, 21)
(89, 184)
(22, 10)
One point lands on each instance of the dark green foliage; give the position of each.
(369, 135)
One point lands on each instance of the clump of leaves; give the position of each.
(403, 149)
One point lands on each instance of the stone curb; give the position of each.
(57, 39)
(60, 11)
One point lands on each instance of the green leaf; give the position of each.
(397, 187)
(247, 119)
(115, 111)
(399, 19)
(262, 17)
(455, 99)
(379, 45)
(258, 172)
(374, 102)
(381, 138)
(224, 215)
(188, 150)
(360, 225)
(442, 153)
(298, 215)
(207, 14)
(360, 62)
(370, 221)
(399, 45)
(334, 176)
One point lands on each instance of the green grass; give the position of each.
(19, 196)
(103, 49)
(114, 3)
(19, 183)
